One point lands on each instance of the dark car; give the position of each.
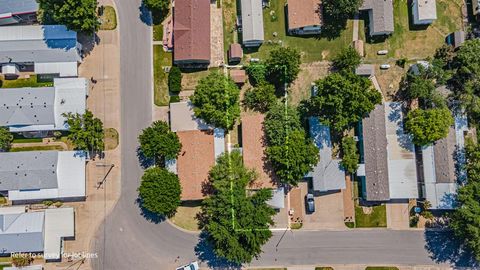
(310, 203)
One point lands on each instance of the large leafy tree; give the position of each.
(257, 73)
(157, 5)
(157, 141)
(348, 59)
(283, 65)
(237, 223)
(279, 121)
(350, 157)
(86, 131)
(77, 15)
(421, 85)
(467, 61)
(343, 99)
(6, 139)
(465, 221)
(216, 100)
(428, 126)
(260, 98)
(160, 191)
(336, 13)
(294, 158)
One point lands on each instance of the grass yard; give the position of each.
(30, 82)
(157, 26)
(5, 266)
(186, 215)
(3, 201)
(27, 140)
(111, 138)
(324, 268)
(229, 22)
(312, 48)
(161, 59)
(191, 78)
(411, 41)
(377, 217)
(37, 148)
(108, 18)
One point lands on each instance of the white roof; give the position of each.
(70, 180)
(427, 9)
(59, 224)
(65, 69)
(70, 96)
(252, 20)
(402, 173)
(10, 69)
(218, 141)
(182, 118)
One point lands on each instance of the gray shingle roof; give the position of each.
(18, 6)
(375, 155)
(27, 106)
(28, 170)
(444, 153)
(21, 232)
(252, 20)
(381, 15)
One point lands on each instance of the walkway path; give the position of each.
(355, 26)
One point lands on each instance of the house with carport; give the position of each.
(304, 17)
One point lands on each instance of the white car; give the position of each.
(190, 266)
(385, 66)
(382, 52)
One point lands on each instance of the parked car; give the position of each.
(310, 203)
(385, 66)
(190, 266)
(382, 52)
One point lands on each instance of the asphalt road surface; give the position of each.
(128, 240)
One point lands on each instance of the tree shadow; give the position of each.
(444, 247)
(145, 162)
(145, 14)
(88, 42)
(148, 215)
(205, 253)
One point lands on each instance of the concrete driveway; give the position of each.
(398, 217)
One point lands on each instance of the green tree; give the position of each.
(157, 141)
(6, 139)
(279, 121)
(175, 80)
(237, 223)
(157, 5)
(348, 59)
(343, 99)
(86, 131)
(283, 65)
(428, 126)
(216, 101)
(465, 221)
(160, 191)
(257, 73)
(350, 158)
(467, 61)
(421, 86)
(294, 158)
(336, 13)
(76, 15)
(260, 98)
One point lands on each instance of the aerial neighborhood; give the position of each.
(239, 134)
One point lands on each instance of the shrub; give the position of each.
(175, 80)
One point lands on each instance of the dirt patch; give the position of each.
(389, 80)
(111, 138)
(309, 73)
(367, 210)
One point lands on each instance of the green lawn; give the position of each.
(37, 148)
(312, 48)
(324, 268)
(108, 18)
(157, 25)
(229, 21)
(27, 140)
(378, 217)
(3, 200)
(410, 41)
(30, 82)
(160, 59)
(4, 266)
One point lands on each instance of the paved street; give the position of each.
(127, 240)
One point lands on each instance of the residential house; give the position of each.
(34, 176)
(16, 11)
(424, 11)
(367, 70)
(252, 23)
(328, 174)
(41, 49)
(36, 232)
(191, 32)
(442, 166)
(202, 144)
(304, 17)
(380, 14)
(388, 167)
(37, 109)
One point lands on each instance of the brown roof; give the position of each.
(375, 155)
(253, 139)
(444, 154)
(191, 30)
(235, 51)
(303, 13)
(194, 162)
(238, 75)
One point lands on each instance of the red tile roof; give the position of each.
(191, 30)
